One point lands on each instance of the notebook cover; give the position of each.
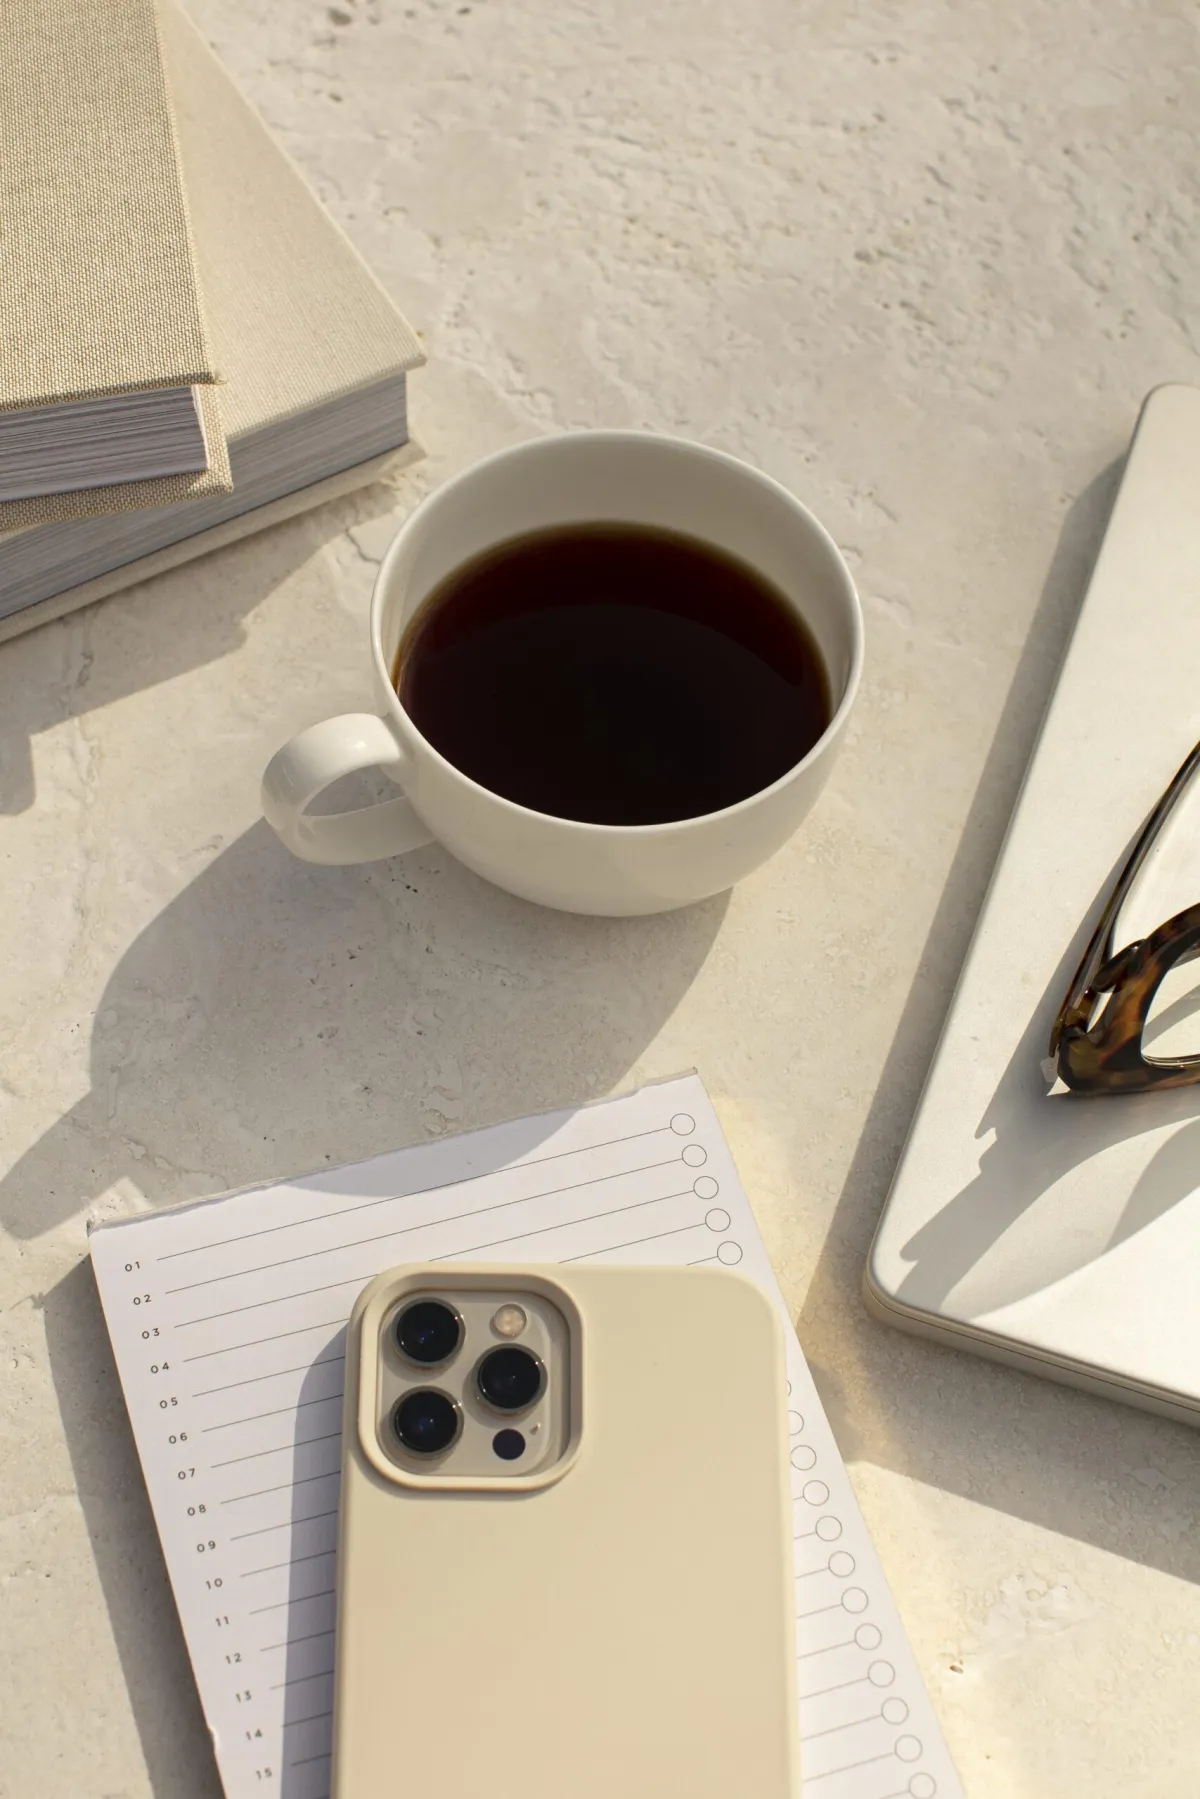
(296, 315)
(1056, 1231)
(100, 292)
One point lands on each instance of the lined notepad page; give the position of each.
(228, 1322)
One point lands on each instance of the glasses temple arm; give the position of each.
(1072, 1011)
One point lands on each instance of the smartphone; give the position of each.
(565, 1552)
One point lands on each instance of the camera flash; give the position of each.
(509, 1321)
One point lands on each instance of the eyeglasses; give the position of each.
(1098, 1044)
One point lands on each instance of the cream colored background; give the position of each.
(920, 262)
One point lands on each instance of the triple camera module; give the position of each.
(507, 1380)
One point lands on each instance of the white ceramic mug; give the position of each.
(587, 476)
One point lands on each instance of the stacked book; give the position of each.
(190, 349)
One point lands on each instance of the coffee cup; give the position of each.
(632, 479)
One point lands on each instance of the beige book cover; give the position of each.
(298, 318)
(98, 286)
(313, 350)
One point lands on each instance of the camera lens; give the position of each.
(428, 1332)
(426, 1422)
(509, 1380)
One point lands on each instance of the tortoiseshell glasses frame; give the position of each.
(1106, 1056)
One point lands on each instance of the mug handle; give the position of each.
(313, 761)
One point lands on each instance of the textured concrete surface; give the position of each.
(921, 262)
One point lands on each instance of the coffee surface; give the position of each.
(613, 674)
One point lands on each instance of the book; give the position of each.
(1053, 1231)
(314, 353)
(227, 1319)
(107, 368)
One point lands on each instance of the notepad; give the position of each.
(228, 1319)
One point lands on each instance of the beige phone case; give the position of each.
(622, 1623)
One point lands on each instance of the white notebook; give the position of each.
(1056, 1231)
(228, 1319)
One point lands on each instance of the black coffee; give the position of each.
(614, 674)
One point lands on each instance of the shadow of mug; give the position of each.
(277, 1017)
